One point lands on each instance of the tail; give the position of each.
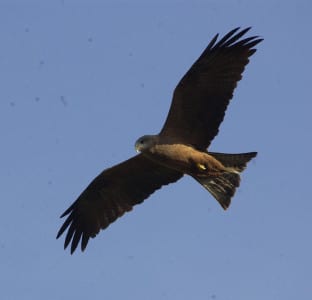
(223, 186)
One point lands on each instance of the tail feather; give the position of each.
(237, 161)
(223, 186)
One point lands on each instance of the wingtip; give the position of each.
(67, 211)
(242, 28)
(246, 29)
(231, 32)
(58, 234)
(73, 248)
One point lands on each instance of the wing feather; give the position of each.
(111, 194)
(203, 94)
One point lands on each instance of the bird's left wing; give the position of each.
(203, 94)
(115, 191)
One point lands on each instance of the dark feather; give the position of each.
(203, 94)
(111, 194)
(223, 186)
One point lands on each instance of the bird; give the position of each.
(197, 109)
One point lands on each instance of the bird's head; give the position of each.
(145, 143)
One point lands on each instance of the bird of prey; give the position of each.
(198, 107)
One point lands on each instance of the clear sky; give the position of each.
(82, 80)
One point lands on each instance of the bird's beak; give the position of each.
(137, 148)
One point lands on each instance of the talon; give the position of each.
(201, 167)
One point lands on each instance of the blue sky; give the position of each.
(82, 80)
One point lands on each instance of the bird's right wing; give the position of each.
(115, 191)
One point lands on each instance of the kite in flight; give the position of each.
(197, 110)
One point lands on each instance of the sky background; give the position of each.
(82, 80)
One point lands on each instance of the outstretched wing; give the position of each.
(111, 194)
(201, 97)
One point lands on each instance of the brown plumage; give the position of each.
(197, 110)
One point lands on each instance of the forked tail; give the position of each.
(223, 186)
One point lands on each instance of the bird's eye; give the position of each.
(141, 142)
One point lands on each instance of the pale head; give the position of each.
(145, 142)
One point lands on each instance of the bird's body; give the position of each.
(203, 166)
(184, 158)
(197, 110)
